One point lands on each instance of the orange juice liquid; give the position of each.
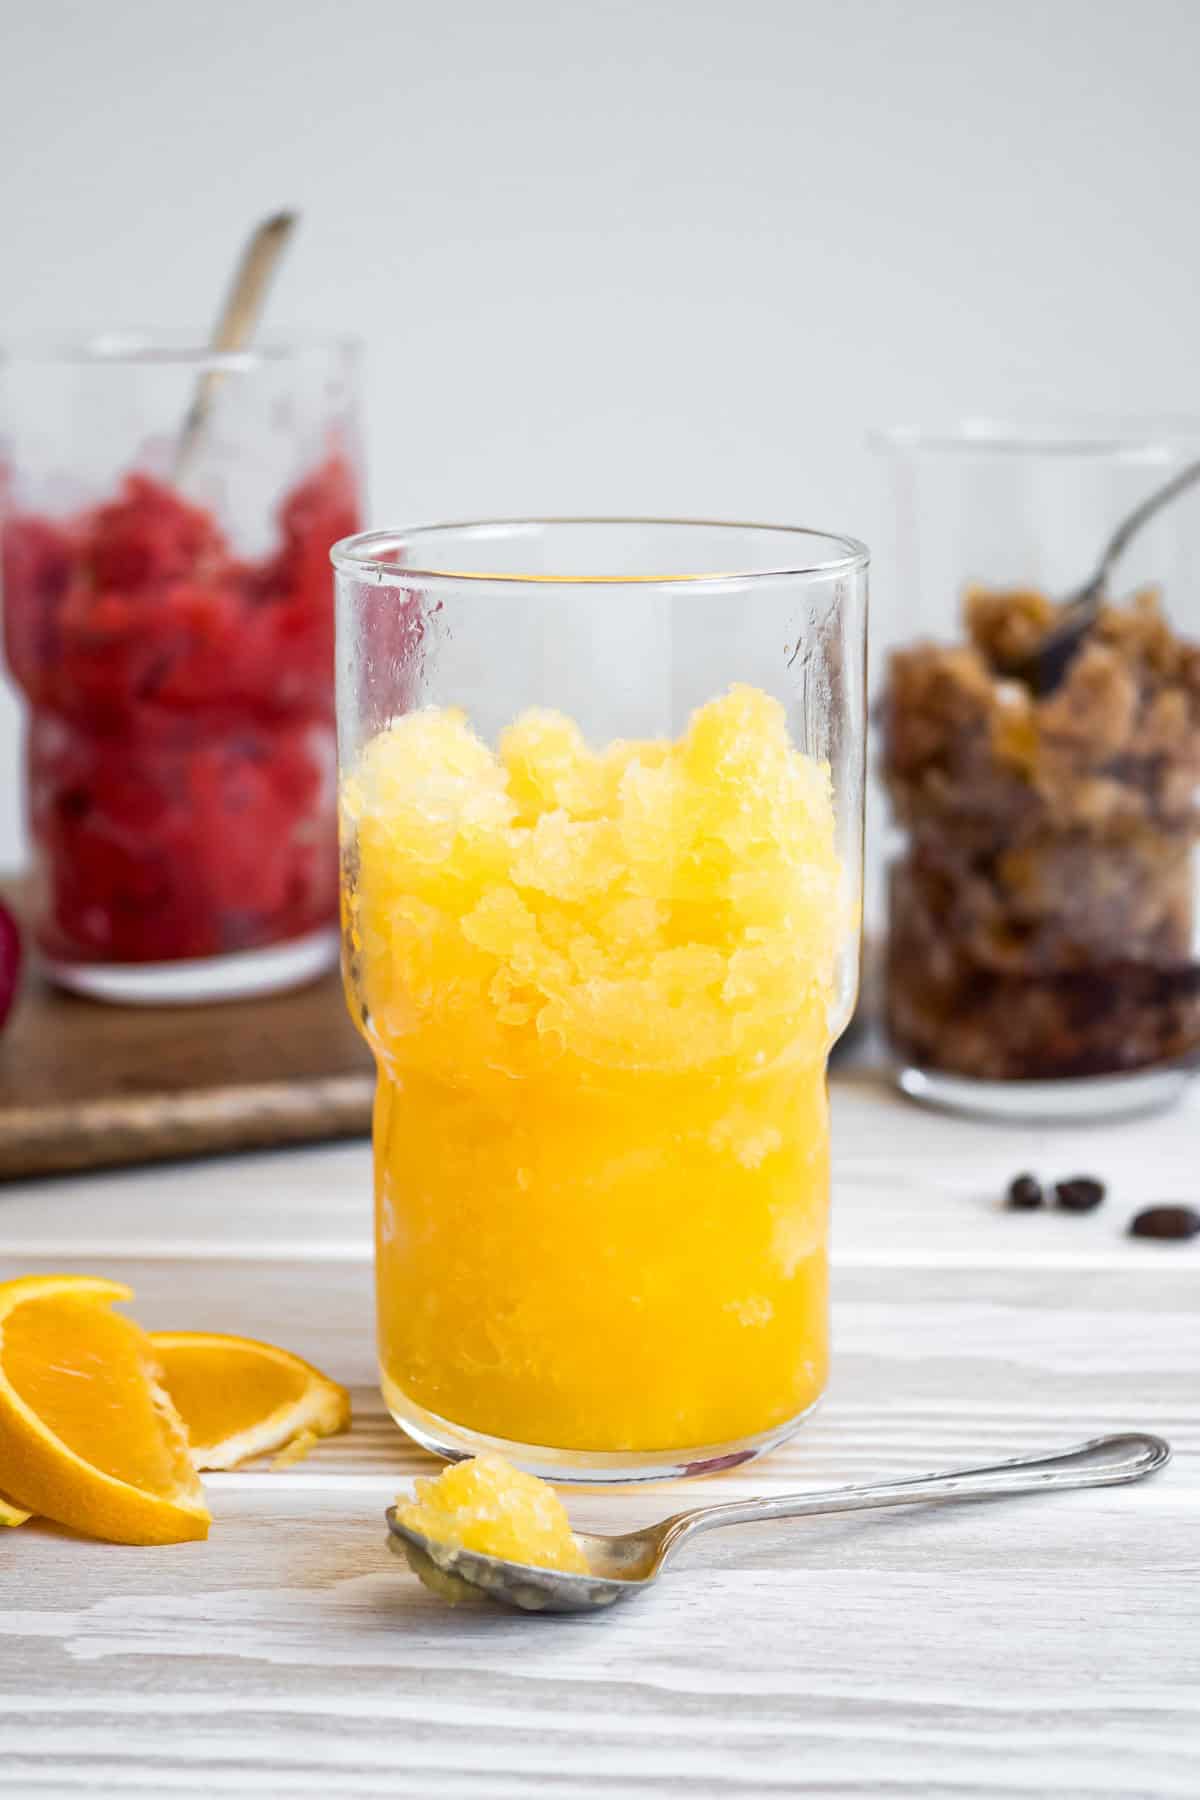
(598, 986)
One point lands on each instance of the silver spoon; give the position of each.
(629, 1564)
(234, 327)
(1044, 667)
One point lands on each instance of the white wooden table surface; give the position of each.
(1026, 1647)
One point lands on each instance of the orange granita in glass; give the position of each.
(599, 986)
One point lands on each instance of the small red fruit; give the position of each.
(10, 961)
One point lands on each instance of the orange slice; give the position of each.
(239, 1398)
(88, 1437)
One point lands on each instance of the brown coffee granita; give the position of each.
(1042, 912)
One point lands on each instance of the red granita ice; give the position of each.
(149, 536)
(181, 744)
(38, 562)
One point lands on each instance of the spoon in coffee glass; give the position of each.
(1044, 666)
(624, 1565)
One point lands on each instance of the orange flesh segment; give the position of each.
(221, 1397)
(90, 1376)
(240, 1398)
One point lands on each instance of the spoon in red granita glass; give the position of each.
(235, 325)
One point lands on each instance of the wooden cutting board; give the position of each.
(85, 1085)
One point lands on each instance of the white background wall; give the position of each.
(654, 256)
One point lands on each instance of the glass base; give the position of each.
(202, 978)
(1091, 1097)
(588, 1468)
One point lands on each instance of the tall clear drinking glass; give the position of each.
(1044, 888)
(601, 807)
(168, 617)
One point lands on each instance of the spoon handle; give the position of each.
(1141, 515)
(1101, 1462)
(1044, 667)
(239, 315)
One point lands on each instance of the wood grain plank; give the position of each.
(1022, 1649)
(927, 1368)
(910, 1188)
(316, 1200)
(85, 1086)
(913, 1655)
(914, 1185)
(841, 1442)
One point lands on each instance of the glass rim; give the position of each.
(1116, 436)
(361, 553)
(167, 347)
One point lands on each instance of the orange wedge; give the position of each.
(88, 1437)
(239, 1398)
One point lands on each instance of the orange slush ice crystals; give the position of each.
(484, 1505)
(599, 986)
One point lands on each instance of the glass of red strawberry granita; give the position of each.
(168, 617)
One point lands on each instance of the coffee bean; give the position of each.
(1166, 1222)
(1080, 1194)
(1025, 1192)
